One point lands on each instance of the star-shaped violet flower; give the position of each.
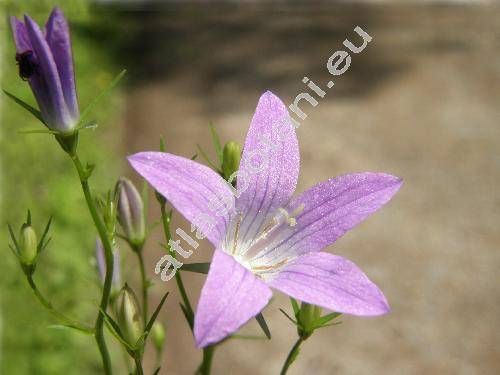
(263, 238)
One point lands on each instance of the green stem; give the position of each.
(83, 174)
(138, 365)
(178, 278)
(60, 316)
(206, 364)
(144, 283)
(208, 352)
(292, 355)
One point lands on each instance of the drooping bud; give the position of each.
(101, 264)
(231, 158)
(131, 213)
(129, 316)
(158, 336)
(28, 245)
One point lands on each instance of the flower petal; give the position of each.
(60, 118)
(58, 39)
(269, 166)
(21, 38)
(331, 282)
(192, 188)
(231, 296)
(330, 209)
(36, 81)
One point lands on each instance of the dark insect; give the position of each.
(27, 65)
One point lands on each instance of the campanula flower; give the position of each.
(263, 237)
(45, 61)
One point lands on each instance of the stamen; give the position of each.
(271, 267)
(236, 231)
(299, 209)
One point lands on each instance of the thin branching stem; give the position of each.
(108, 255)
(60, 316)
(292, 355)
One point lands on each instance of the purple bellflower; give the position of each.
(45, 61)
(269, 240)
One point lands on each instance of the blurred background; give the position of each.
(421, 102)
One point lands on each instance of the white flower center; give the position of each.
(258, 254)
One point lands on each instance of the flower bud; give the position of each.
(101, 264)
(158, 336)
(129, 316)
(131, 213)
(307, 317)
(28, 245)
(231, 158)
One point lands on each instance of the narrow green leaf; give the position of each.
(145, 199)
(69, 327)
(39, 131)
(295, 306)
(288, 316)
(13, 251)
(12, 236)
(90, 125)
(196, 267)
(116, 335)
(44, 245)
(325, 319)
(99, 97)
(162, 144)
(187, 315)
(35, 112)
(42, 242)
(157, 371)
(216, 140)
(154, 316)
(194, 157)
(207, 159)
(263, 324)
(112, 322)
(328, 325)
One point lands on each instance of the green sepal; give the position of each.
(207, 159)
(263, 325)
(70, 327)
(115, 330)
(322, 321)
(217, 144)
(88, 109)
(35, 112)
(187, 315)
(162, 144)
(295, 306)
(289, 317)
(154, 316)
(196, 267)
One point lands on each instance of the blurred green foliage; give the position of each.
(36, 174)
